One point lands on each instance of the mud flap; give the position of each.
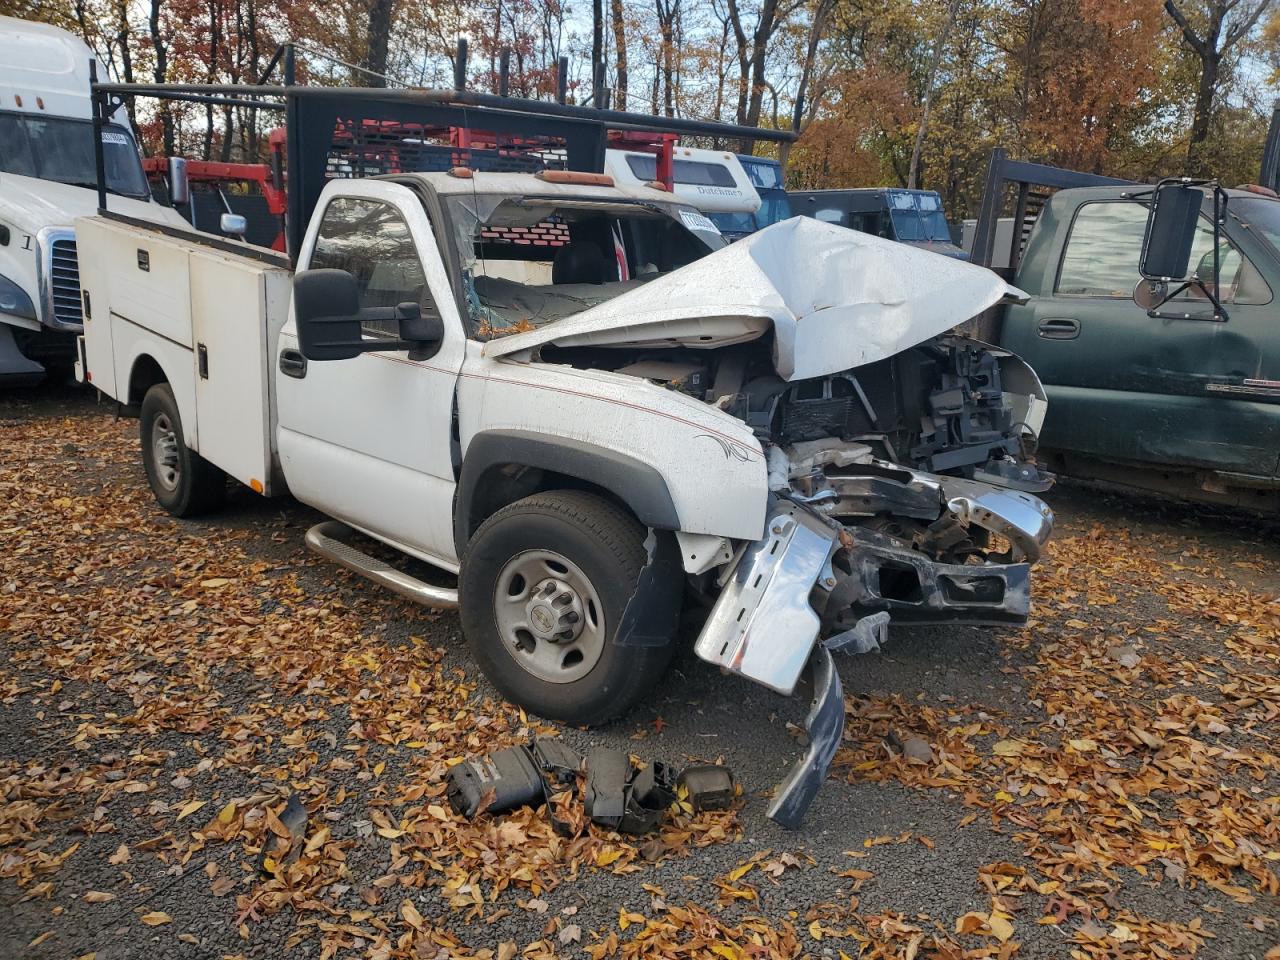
(652, 615)
(15, 369)
(825, 725)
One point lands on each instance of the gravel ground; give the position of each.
(124, 667)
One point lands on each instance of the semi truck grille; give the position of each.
(64, 282)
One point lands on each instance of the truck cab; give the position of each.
(712, 181)
(912, 217)
(47, 180)
(1185, 398)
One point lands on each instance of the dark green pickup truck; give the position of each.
(1178, 395)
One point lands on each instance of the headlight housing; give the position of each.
(14, 300)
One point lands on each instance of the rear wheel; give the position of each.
(543, 586)
(183, 482)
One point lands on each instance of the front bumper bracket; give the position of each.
(825, 725)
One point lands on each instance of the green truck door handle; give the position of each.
(1059, 328)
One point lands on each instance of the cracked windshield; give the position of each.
(530, 262)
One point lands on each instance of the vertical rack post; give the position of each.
(99, 101)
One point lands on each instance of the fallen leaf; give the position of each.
(189, 808)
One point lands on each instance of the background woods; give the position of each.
(882, 91)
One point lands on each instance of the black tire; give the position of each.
(604, 543)
(184, 483)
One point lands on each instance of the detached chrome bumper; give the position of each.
(785, 590)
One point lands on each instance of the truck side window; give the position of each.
(1102, 253)
(371, 241)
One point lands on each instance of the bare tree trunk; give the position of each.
(759, 51)
(721, 74)
(935, 61)
(744, 60)
(821, 11)
(161, 73)
(1219, 37)
(215, 43)
(379, 25)
(255, 71)
(619, 53)
(597, 53)
(667, 10)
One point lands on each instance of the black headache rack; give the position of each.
(364, 131)
(1022, 188)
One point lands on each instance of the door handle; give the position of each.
(293, 364)
(1059, 328)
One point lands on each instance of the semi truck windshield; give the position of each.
(61, 149)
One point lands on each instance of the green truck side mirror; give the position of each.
(1165, 265)
(1171, 231)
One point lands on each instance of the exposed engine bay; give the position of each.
(902, 455)
(939, 407)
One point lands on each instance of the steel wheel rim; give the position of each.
(164, 452)
(536, 597)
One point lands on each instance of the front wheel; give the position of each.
(543, 587)
(183, 482)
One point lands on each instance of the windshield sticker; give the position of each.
(110, 136)
(696, 221)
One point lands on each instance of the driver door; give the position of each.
(368, 440)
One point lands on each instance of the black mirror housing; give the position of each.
(326, 309)
(1171, 231)
(421, 330)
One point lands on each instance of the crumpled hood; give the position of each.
(30, 204)
(836, 299)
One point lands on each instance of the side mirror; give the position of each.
(421, 333)
(416, 327)
(179, 185)
(1165, 264)
(326, 308)
(1171, 231)
(233, 225)
(1150, 294)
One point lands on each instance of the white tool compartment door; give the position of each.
(229, 327)
(92, 237)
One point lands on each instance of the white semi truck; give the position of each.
(575, 398)
(47, 179)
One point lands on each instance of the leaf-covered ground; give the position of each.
(1104, 783)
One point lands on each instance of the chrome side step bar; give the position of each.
(329, 540)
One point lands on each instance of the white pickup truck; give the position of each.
(579, 400)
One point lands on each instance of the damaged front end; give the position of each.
(855, 540)
(815, 585)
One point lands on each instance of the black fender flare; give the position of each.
(637, 484)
